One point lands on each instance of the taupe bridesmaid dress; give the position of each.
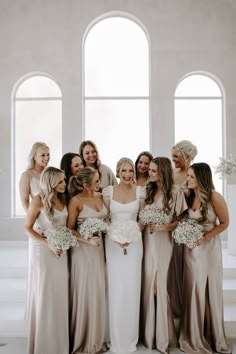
(87, 292)
(49, 315)
(176, 270)
(157, 325)
(202, 322)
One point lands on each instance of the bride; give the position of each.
(124, 271)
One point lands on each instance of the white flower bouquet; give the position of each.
(92, 227)
(60, 237)
(124, 232)
(150, 214)
(188, 232)
(226, 167)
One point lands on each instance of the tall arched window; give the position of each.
(198, 117)
(37, 116)
(116, 88)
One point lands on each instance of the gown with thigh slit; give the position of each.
(87, 292)
(124, 279)
(202, 322)
(48, 313)
(157, 325)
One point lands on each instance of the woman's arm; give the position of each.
(220, 207)
(24, 188)
(32, 215)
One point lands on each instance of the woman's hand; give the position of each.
(122, 245)
(95, 241)
(154, 227)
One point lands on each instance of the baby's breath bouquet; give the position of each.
(188, 232)
(60, 237)
(226, 167)
(124, 232)
(92, 227)
(150, 214)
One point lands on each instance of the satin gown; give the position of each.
(124, 280)
(176, 270)
(202, 322)
(87, 292)
(48, 314)
(157, 325)
(33, 250)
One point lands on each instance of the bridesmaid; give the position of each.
(29, 187)
(89, 153)
(71, 163)
(87, 283)
(141, 167)
(29, 182)
(156, 317)
(124, 271)
(183, 153)
(48, 319)
(202, 322)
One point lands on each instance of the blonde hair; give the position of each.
(121, 162)
(33, 151)
(186, 149)
(49, 179)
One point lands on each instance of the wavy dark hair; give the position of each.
(143, 153)
(204, 179)
(65, 165)
(166, 178)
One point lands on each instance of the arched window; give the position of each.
(198, 118)
(37, 116)
(116, 88)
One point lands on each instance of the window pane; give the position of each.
(116, 59)
(42, 120)
(198, 85)
(119, 128)
(200, 121)
(38, 86)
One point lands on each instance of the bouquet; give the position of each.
(226, 167)
(188, 232)
(124, 232)
(92, 227)
(150, 214)
(60, 237)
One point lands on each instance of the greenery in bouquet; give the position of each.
(188, 232)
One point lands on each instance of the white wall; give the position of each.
(46, 36)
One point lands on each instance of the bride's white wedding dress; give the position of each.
(124, 279)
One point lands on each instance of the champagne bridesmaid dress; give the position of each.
(49, 315)
(87, 292)
(202, 322)
(157, 325)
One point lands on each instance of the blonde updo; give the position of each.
(186, 150)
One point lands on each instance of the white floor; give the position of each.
(19, 346)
